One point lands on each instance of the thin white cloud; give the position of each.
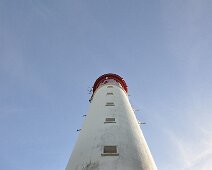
(41, 8)
(193, 153)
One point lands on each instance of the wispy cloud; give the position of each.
(41, 8)
(195, 154)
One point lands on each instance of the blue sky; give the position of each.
(52, 51)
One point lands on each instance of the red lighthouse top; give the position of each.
(107, 78)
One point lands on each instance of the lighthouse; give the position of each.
(110, 138)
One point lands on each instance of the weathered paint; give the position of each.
(126, 134)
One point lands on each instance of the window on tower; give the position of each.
(110, 151)
(109, 86)
(110, 120)
(109, 93)
(110, 104)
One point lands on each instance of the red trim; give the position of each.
(110, 76)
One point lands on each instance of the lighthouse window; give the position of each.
(110, 151)
(109, 86)
(110, 104)
(110, 120)
(109, 93)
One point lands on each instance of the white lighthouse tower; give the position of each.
(111, 138)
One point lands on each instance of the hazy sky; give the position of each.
(52, 51)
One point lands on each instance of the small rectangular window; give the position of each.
(109, 93)
(110, 120)
(110, 104)
(109, 86)
(110, 151)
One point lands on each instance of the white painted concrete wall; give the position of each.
(133, 151)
